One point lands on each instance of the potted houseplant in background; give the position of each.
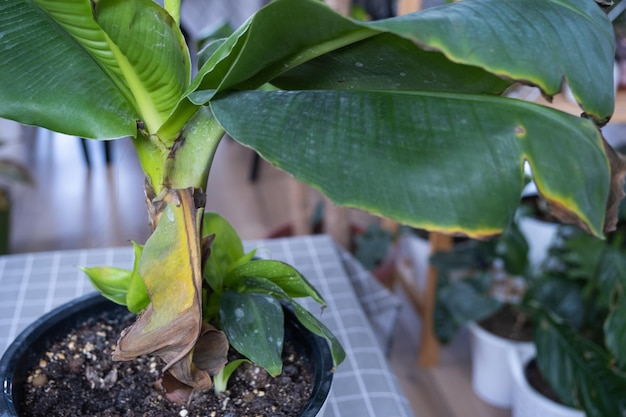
(577, 286)
(484, 286)
(384, 115)
(580, 327)
(10, 171)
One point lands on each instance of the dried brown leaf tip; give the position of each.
(211, 350)
(616, 194)
(194, 372)
(617, 166)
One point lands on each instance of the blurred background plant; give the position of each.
(10, 172)
(581, 320)
(480, 279)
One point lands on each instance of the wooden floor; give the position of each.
(73, 206)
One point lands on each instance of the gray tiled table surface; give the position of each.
(364, 385)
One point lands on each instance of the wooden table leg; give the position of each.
(428, 355)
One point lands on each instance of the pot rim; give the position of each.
(485, 335)
(70, 314)
(518, 360)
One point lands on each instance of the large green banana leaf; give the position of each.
(412, 156)
(68, 68)
(308, 30)
(418, 157)
(386, 62)
(425, 155)
(536, 41)
(480, 38)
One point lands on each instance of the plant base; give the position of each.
(80, 366)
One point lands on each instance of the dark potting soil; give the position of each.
(77, 377)
(536, 380)
(509, 323)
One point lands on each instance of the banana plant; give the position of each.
(406, 117)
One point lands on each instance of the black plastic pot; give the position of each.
(31, 344)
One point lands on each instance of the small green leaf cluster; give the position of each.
(242, 295)
(246, 296)
(121, 285)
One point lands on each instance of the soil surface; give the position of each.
(77, 378)
(510, 324)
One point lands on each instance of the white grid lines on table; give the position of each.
(381, 306)
(370, 360)
(19, 302)
(52, 283)
(33, 284)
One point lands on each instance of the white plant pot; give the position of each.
(491, 377)
(539, 235)
(527, 402)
